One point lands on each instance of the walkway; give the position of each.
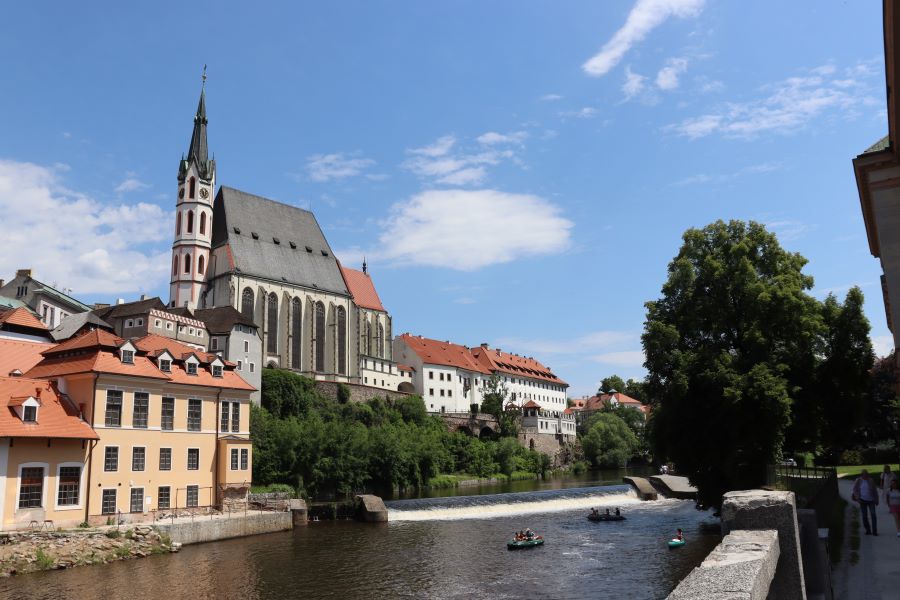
(876, 576)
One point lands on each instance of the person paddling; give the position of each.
(680, 535)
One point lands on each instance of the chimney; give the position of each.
(81, 411)
(120, 300)
(143, 296)
(99, 305)
(484, 344)
(23, 273)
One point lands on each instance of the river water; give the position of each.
(450, 547)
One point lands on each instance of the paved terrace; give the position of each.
(675, 486)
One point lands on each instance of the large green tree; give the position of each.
(613, 382)
(733, 324)
(608, 442)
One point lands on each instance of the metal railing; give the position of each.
(814, 487)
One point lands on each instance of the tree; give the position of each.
(494, 401)
(613, 382)
(631, 417)
(733, 325)
(609, 442)
(636, 389)
(882, 406)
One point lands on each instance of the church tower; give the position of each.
(193, 215)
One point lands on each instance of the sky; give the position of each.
(517, 173)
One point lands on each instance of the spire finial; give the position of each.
(364, 265)
(203, 78)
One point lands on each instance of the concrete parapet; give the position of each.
(297, 506)
(763, 510)
(741, 567)
(675, 486)
(645, 491)
(371, 509)
(222, 527)
(816, 564)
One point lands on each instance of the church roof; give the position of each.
(275, 241)
(198, 152)
(363, 289)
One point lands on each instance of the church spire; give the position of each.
(198, 152)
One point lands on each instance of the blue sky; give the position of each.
(518, 173)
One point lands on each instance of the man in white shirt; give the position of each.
(865, 493)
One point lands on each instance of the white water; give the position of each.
(508, 509)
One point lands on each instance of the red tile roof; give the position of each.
(513, 364)
(22, 317)
(96, 338)
(402, 367)
(57, 417)
(597, 402)
(435, 352)
(531, 404)
(19, 354)
(362, 289)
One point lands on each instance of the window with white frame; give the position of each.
(191, 368)
(29, 413)
(193, 496)
(225, 416)
(246, 346)
(235, 417)
(194, 414)
(137, 500)
(193, 459)
(111, 459)
(113, 416)
(168, 414)
(163, 497)
(138, 458)
(245, 459)
(165, 365)
(141, 410)
(234, 459)
(217, 370)
(31, 487)
(108, 503)
(165, 459)
(68, 486)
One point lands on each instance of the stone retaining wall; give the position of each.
(741, 567)
(358, 393)
(221, 528)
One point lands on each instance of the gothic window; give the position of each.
(200, 265)
(367, 336)
(178, 223)
(190, 221)
(247, 303)
(295, 333)
(187, 263)
(202, 223)
(342, 340)
(272, 337)
(174, 266)
(320, 337)
(193, 188)
(380, 341)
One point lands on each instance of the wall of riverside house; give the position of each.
(49, 455)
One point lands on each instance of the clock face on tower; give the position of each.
(204, 193)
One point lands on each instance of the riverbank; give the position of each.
(465, 480)
(27, 552)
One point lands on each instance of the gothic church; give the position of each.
(272, 262)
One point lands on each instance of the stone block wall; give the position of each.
(358, 393)
(222, 528)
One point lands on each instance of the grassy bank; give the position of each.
(853, 471)
(457, 479)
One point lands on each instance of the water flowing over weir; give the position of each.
(490, 506)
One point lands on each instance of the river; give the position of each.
(448, 547)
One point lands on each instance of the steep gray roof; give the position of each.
(275, 241)
(222, 319)
(882, 144)
(73, 324)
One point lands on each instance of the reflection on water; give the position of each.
(455, 555)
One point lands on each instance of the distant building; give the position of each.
(150, 315)
(584, 407)
(77, 324)
(451, 377)
(22, 339)
(49, 303)
(370, 332)
(236, 338)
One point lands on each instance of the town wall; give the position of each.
(358, 393)
(224, 527)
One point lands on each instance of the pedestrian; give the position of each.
(886, 478)
(893, 502)
(866, 494)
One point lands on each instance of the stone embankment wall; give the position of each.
(562, 453)
(221, 528)
(358, 393)
(25, 552)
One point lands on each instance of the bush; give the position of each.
(473, 408)
(44, 561)
(343, 393)
(579, 467)
(273, 488)
(112, 533)
(851, 457)
(84, 525)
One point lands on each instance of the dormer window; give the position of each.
(191, 368)
(217, 371)
(165, 365)
(128, 356)
(29, 414)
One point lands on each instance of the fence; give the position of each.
(815, 488)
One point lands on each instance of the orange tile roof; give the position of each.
(22, 317)
(19, 354)
(362, 289)
(531, 404)
(96, 338)
(513, 364)
(57, 418)
(154, 345)
(435, 352)
(402, 367)
(95, 361)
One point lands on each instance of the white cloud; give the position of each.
(704, 178)
(627, 358)
(786, 107)
(645, 16)
(551, 97)
(582, 113)
(667, 78)
(470, 229)
(130, 184)
(634, 84)
(492, 138)
(788, 230)
(77, 241)
(465, 300)
(444, 162)
(580, 345)
(883, 344)
(327, 167)
(708, 86)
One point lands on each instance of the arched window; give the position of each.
(190, 222)
(202, 223)
(367, 337)
(320, 337)
(296, 330)
(174, 266)
(200, 265)
(192, 188)
(272, 334)
(187, 263)
(178, 223)
(342, 340)
(247, 303)
(380, 342)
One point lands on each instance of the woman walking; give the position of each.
(893, 502)
(886, 478)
